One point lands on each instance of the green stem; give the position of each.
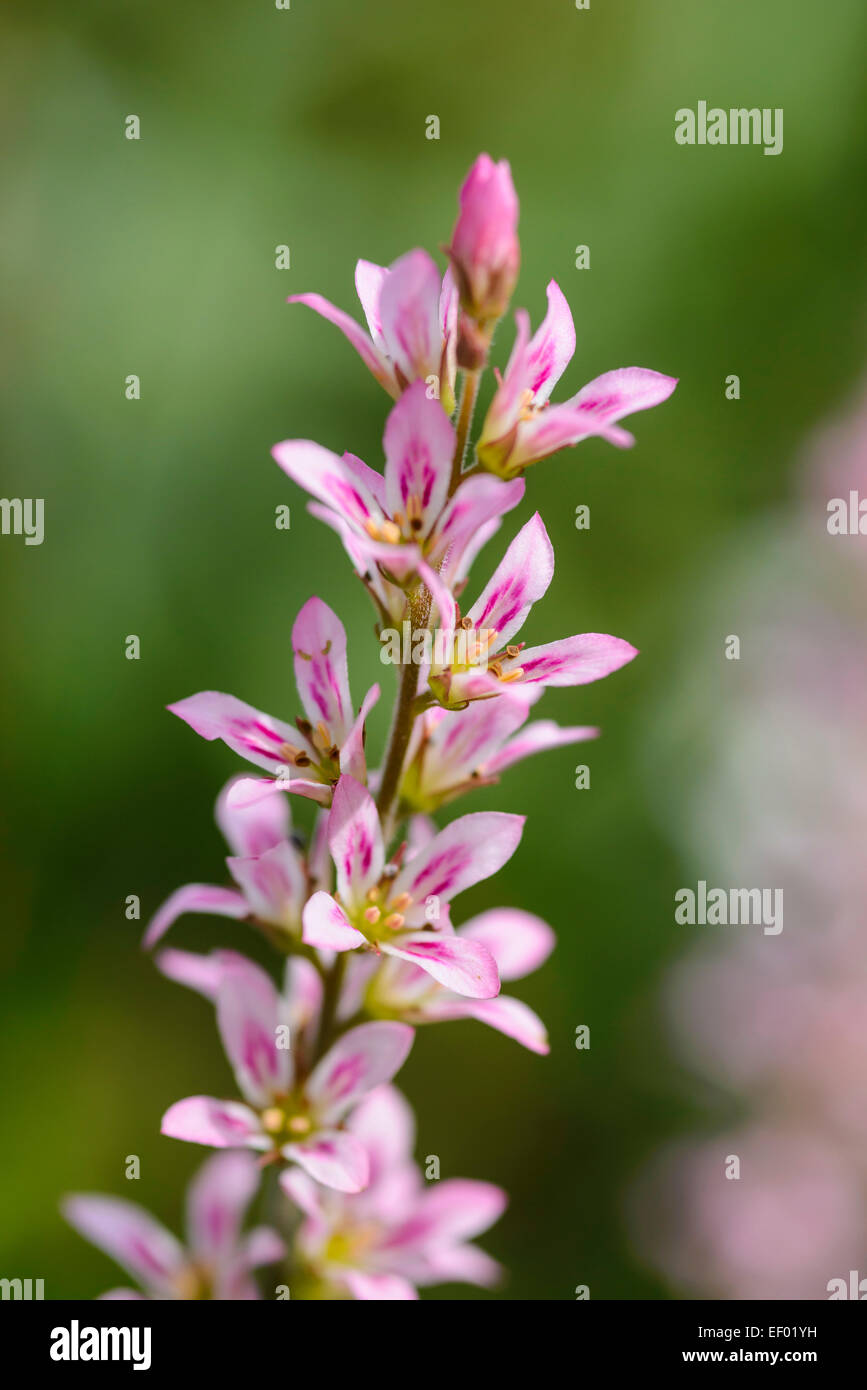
(330, 1000)
(401, 729)
(469, 392)
(405, 712)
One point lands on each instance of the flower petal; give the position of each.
(364, 1057)
(369, 279)
(450, 1211)
(352, 758)
(521, 578)
(334, 1158)
(460, 744)
(355, 838)
(201, 973)
(614, 394)
(331, 479)
(249, 1013)
(519, 941)
(419, 442)
(463, 966)
(510, 1016)
(252, 829)
(409, 315)
(364, 346)
(467, 851)
(385, 1124)
(479, 502)
(327, 927)
(274, 884)
(217, 1199)
(221, 1124)
(321, 672)
(551, 348)
(130, 1235)
(573, 660)
(255, 736)
(381, 1287)
(195, 897)
(537, 738)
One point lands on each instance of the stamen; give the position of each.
(394, 921)
(372, 915)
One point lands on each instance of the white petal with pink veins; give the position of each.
(195, 897)
(364, 1057)
(321, 671)
(333, 1158)
(131, 1236)
(419, 442)
(464, 966)
(519, 581)
(221, 1124)
(249, 1012)
(355, 838)
(327, 927)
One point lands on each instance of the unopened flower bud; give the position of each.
(484, 250)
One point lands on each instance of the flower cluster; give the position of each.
(362, 910)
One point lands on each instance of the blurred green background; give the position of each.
(156, 257)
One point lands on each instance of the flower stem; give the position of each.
(401, 729)
(330, 1000)
(469, 392)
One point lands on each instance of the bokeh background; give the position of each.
(156, 257)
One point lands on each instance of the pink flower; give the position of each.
(790, 1222)
(398, 1235)
(393, 910)
(412, 317)
(402, 523)
(288, 1115)
(481, 657)
(309, 758)
(518, 941)
(521, 427)
(266, 866)
(218, 1260)
(484, 249)
(452, 753)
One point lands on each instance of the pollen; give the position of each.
(415, 513)
(401, 902)
(512, 675)
(273, 1120)
(384, 530)
(394, 921)
(299, 1124)
(372, 915)
(322, 738)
